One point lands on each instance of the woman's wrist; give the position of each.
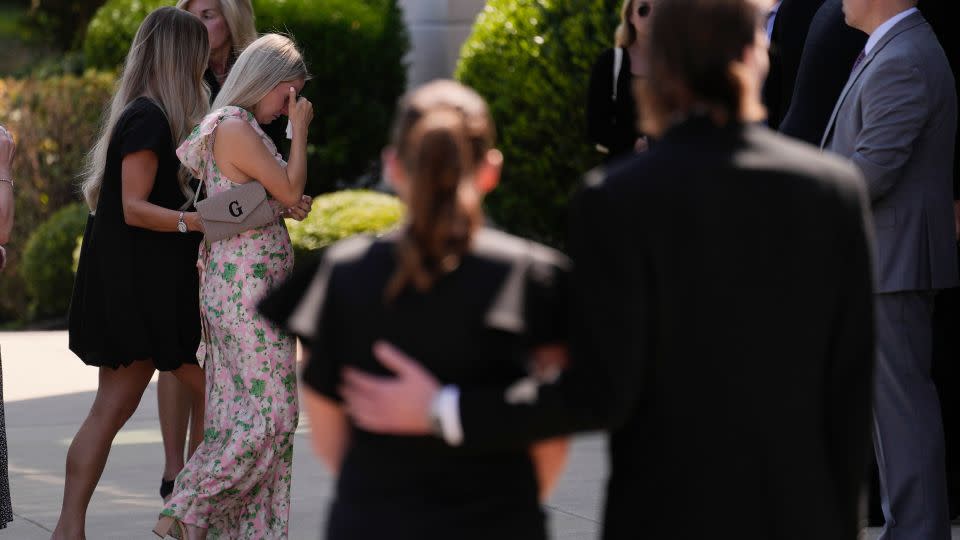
(194, 222)
(299, 134)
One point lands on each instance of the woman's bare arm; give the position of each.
(138, 171)
(328, 429)
(241, 154)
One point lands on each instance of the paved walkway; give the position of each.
(48, 393)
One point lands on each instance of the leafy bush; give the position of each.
(61, 23)
(354, 50)
(47, 266)
(531, 60)
(335, 216)
(54, 121)
(112, 29)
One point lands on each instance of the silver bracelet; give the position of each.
(7, 180)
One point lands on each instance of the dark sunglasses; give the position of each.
(643, 9)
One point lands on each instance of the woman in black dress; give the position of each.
(612, 110)
(135, 306)
(457, 294)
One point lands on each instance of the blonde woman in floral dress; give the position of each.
(237, 484)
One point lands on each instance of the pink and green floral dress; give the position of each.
(237, 483)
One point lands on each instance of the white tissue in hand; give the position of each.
(289, 129)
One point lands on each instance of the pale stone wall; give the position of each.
(438, 28)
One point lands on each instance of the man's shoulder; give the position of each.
(913, 45)
(354, 249)
(664, 169)
(498, 245)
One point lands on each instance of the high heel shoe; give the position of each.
(166, 488)
(170, 526)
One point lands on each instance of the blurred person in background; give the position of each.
(829, 52)
(787, 26)
(721, 321)
(457, 294)
(896, 120)
(613, 125)
(7, 149)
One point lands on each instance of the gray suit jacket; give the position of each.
(896, 119)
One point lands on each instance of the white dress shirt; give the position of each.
(771, 18)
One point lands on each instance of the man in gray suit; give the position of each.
(896, 120)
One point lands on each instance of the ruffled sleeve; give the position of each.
(195, 152)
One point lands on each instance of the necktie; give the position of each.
(860, 57)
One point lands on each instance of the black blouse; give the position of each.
(475, 326)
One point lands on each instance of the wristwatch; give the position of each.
(181, 224)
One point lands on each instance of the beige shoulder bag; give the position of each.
(231, 212)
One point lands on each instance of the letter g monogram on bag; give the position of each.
(234, 211)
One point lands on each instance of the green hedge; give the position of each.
(60, 23)
(112, 29)
(531, 60)
(335, 216)
(47, 266)
(354, 50)
(55, 121)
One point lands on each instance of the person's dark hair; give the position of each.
(442, 132)
(694, 44)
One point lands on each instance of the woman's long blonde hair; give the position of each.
(263, 65)
(240, 22)
(625, 34)
(165, 64)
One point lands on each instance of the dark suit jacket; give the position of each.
(829, 53)
(786, 46)
(612, 124)
(722, 332)
(896, 119)
(935, 11)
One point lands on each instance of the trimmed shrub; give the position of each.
(531, 61)
(354, 50)
(54, 121)
(112, 29)
(47, 266)
(336, 216)
(61, 23)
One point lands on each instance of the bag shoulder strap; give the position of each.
(196, 197)
(617, 63)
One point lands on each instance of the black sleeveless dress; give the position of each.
(475, 326)
(136, 293)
